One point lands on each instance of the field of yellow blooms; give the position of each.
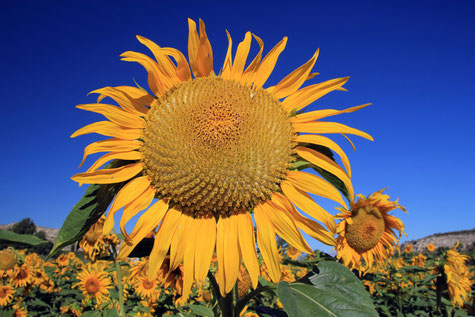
(86, 284)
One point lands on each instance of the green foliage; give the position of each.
(332, 291)
(25, 226)
(86, 212)
(13, 238)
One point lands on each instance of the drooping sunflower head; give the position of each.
(367, 231)
(458, 276)
(8, 259)
(215, 150)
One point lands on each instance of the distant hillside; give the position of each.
(447, 239)
(51, 233)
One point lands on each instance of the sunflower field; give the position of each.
(223, 177)
(435, 283)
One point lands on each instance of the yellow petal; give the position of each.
(108, 128)
(241, 57)
(324, 141)
(319, 114)
(115, 115)
(329, 127)
(179, 241)
(232, 258)
(189, 257)
(165, 65)
(248, 75)
(154, 81)
(268, 63)
(134, 207)
(127, 97)
(267, 242)
(327, 164)
(145, 224)
(183, 68)
(285, 227)
(131, 191)
(205, 242)
(303, 201)
(109, 176)
(127, 156)
(221, 234)
(162, 241)
(307, 95)
(204, 61)
(110, 145)
(310, 227)
(294, 80)
(313, 184)
(247, 245)
(228, 60)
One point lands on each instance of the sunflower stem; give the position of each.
(217, 294)
(119, 282)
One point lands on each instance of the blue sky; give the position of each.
(412, 59)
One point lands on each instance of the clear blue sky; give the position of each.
(414, 60)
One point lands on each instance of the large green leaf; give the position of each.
(333, 291)
(11, 236)
(202, 310)
(86, 212)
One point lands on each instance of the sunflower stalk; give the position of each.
(216, 293)
(119, 281)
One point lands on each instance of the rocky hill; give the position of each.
(447, 239)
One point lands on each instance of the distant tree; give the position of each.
(26, 226)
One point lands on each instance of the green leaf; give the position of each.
(334, 291)
(29, 239)
(91, 313)
(86, 212)
(111, 313)
(202, 310)
(6, 313)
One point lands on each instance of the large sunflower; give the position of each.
(94, 284)
(215, 149)
(367, 231)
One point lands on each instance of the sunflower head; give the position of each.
(216, 151)
(458, 276)
(6, 294)
(8, 259)
(367, 231)
(94, 284)
(430, 247)
(408, 248)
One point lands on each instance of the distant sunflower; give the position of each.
(63, 260)
(215, 149)
(459, 278)
(147, 289)
(8, 259)
(430, 247)
(419, 260)
(93, 284)
(6, 294)
(96, 244)
(367, 231)
(293, 253)
(408, 248)
(22, 276)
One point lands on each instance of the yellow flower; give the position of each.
(147, 289)
(419, 260)
(6, 295)
(367, 231)
(22, 276)
(408, 248)
(430, 247)
(8, 259)
(63, 260)
(459, 279)
(95, 243)
(293, 253)
(215, 149)
(20, 311)
(94, 284)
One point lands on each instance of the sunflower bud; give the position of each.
(8, 259)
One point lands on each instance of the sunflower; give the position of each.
(22, 276)
(367, 231)
(419, 260)
(94, 284)
(63, 260)
(430, 247)
(408, 248)
(6, 294)
(215, 149)
(459, 278)
(8, 259)
(293, 253)
(146, 288)
(96, 244)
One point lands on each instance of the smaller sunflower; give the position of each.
(20, 311)
(22, 276)
(459, 278)
(367, 231)
(430, 247)
(96, 244)
(93, 284)
(63, 260)
(293, 253)
(6, 294)
(147, 289)
(8, 259)
(419, 260)
(408, 248)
